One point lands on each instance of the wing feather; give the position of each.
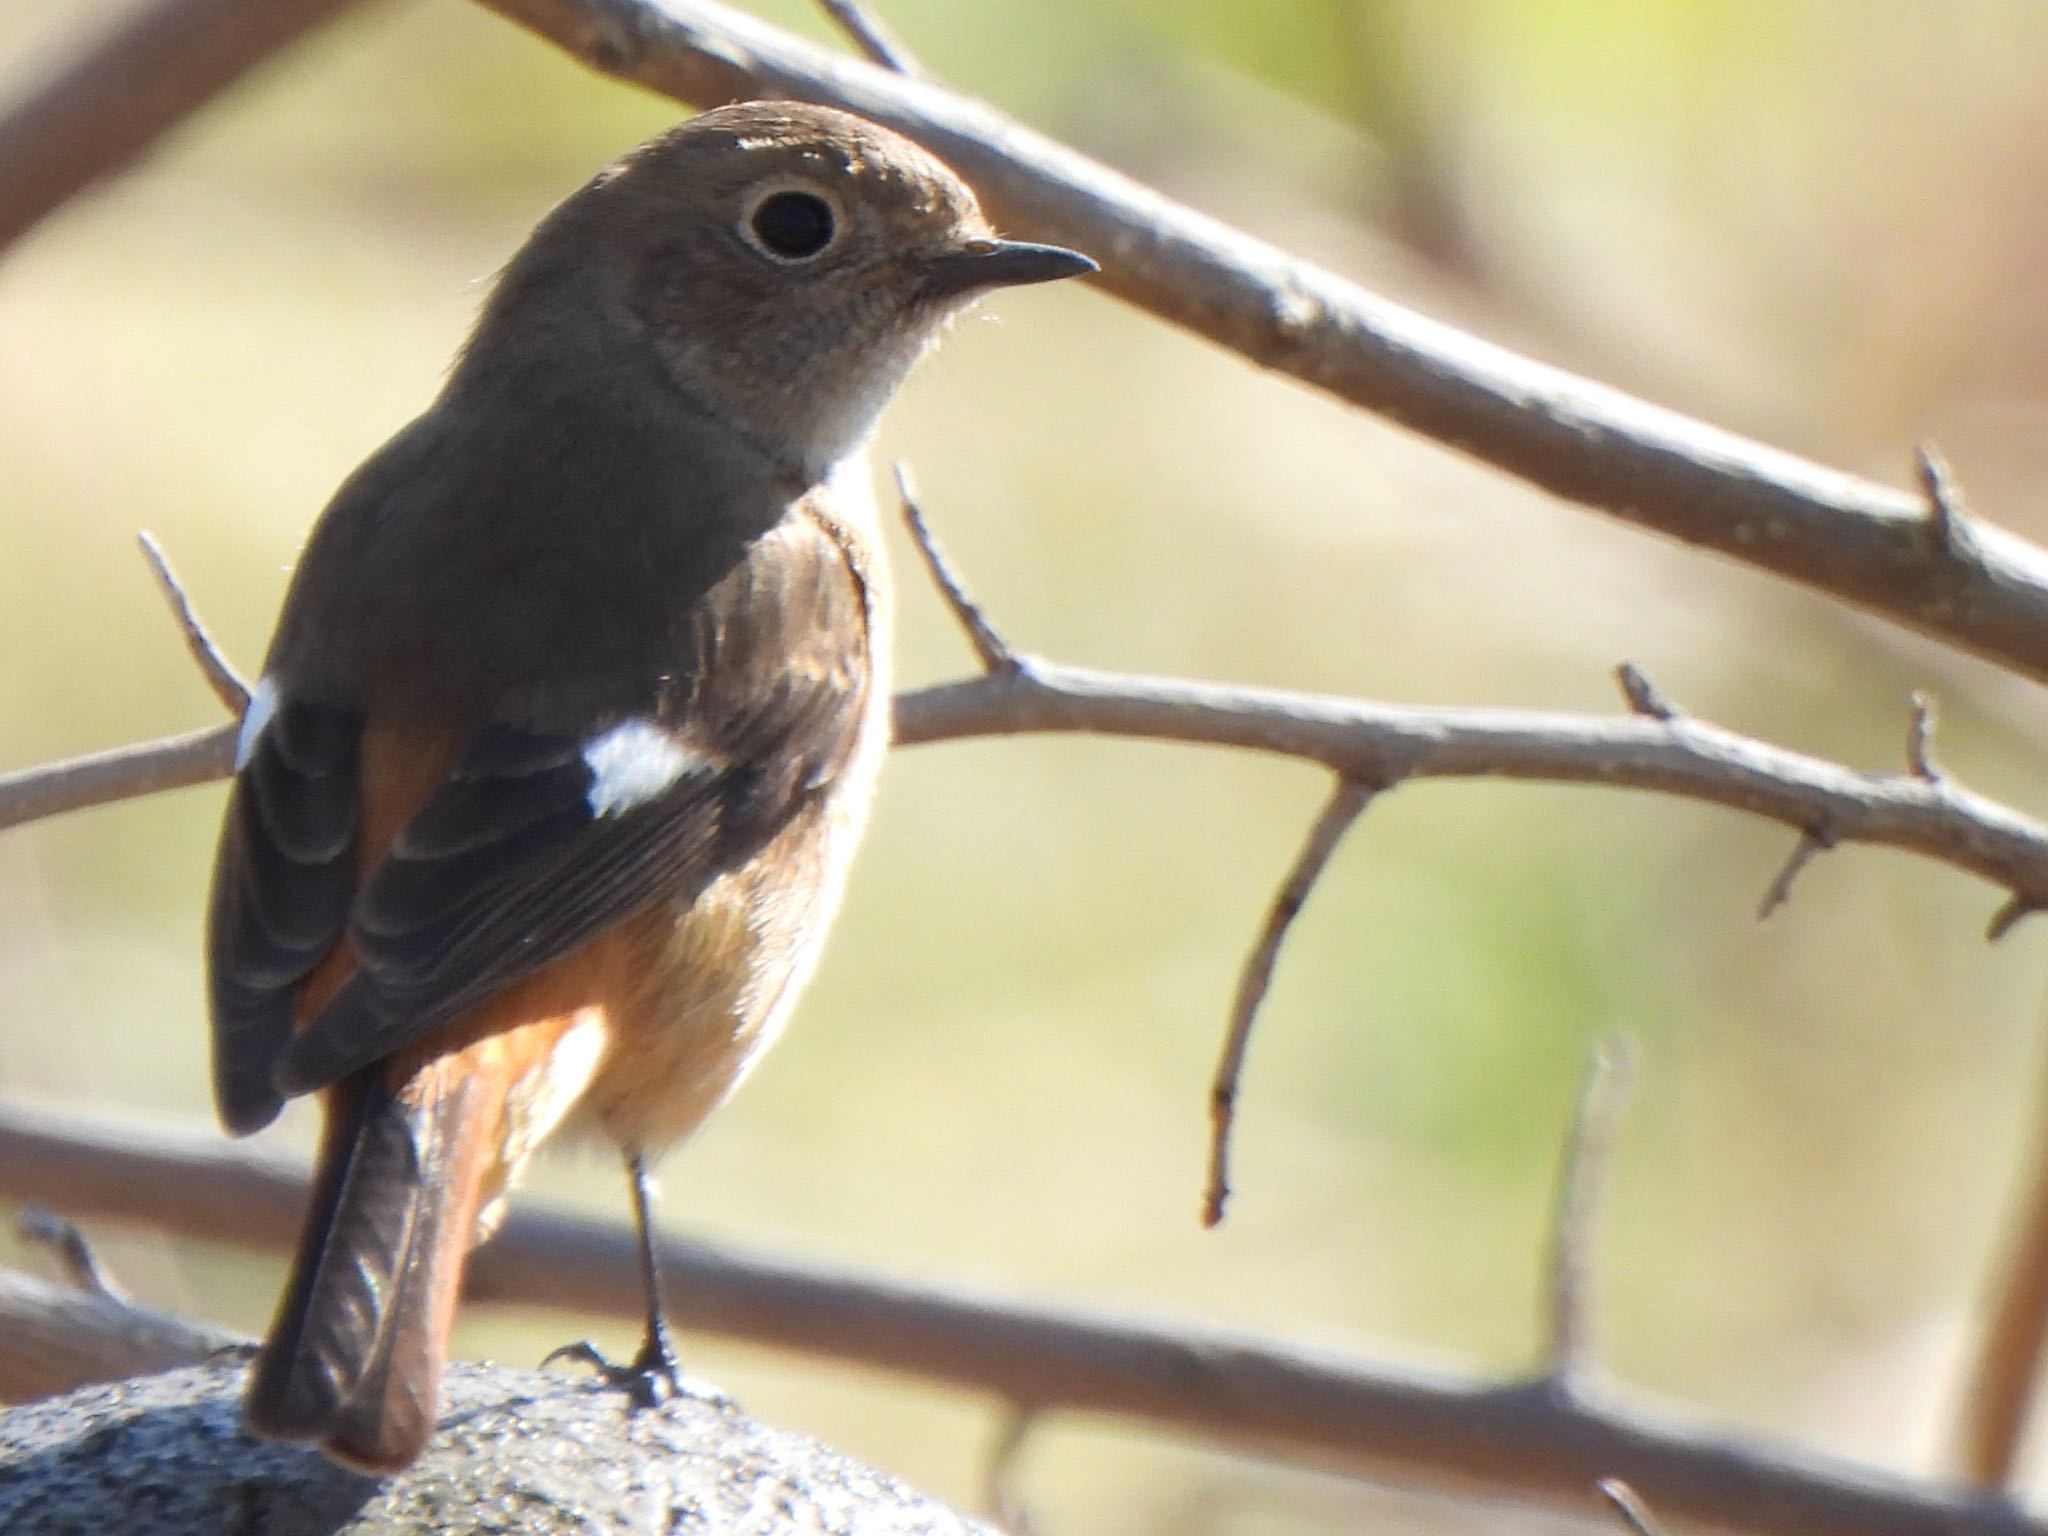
(284, 881)
(514, 862)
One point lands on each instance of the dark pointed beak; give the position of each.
(1002, 264)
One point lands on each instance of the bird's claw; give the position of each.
(651, 1378)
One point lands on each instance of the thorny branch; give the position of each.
(1654, 748)
(990, 648)
(1813, 842)
(1966, 583)
(1376, 743)
(1317, 1403)
(1919, 560)
(1925, 563)
(1346, 804)
(869, 35)
(229, 688)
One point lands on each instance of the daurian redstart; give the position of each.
(571, 721)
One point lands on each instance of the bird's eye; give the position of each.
(791, 226)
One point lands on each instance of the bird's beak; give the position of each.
(1001, 264)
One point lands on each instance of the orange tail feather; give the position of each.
(353, 1361)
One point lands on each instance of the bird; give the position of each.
(571, 719)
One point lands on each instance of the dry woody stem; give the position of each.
(153, 67)
(1346, 804)
(1921, 559)
(867, 33)
(229, 688)
(993, 651)
(1882, 549)
(1319, 1404)
(2000, 1386)
(1625, 1503)
(1588, 1152)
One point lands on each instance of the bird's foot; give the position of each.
(652, 1377)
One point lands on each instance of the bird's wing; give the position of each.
(283, 883)
(539, 840)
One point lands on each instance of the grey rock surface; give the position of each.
(519, 1453)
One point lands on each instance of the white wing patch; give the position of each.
(262, 706)
(632, 764)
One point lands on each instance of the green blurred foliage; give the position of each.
(1818, 222)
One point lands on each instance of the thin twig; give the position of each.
(1642, 695)
(1920, 739)
(126, 773)
(1001, 1496)
(2004, 1376)
(1863, 543)
(1239, 1387)
(1813, 842)
(1946, 515)
(1346, 804)
(1628, 1506)
(1581, 1185)
(995, 653)
(2016, 909)
(43, 1228)
(220, 676)
(872, 38)
(54, 1338)
(128, 88)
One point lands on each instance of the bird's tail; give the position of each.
(353, 1360)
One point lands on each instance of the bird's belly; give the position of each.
(718, 979)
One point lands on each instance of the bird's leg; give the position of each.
(653, 1376)
(655, 1365)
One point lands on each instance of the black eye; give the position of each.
(792, 225)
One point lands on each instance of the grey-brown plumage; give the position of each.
(572, 717)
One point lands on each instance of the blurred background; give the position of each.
(1818, 222)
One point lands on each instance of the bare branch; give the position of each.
(995, 653)
(1920, 740)
(1813, 842)
(2017, 909)
(126, 773)
(54, 1338)
(1346, 804)
(41, 1227)
(2004, 1377)
(1383, 743)
(1863, 543)
(1319, 1403)
(1588, 1149)
(220, 677)
(1628, 1506)
(1373, 743)
(1947, 518)
(1005, 1504)
(1642, 695)
(149, 71)
(869, 35)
